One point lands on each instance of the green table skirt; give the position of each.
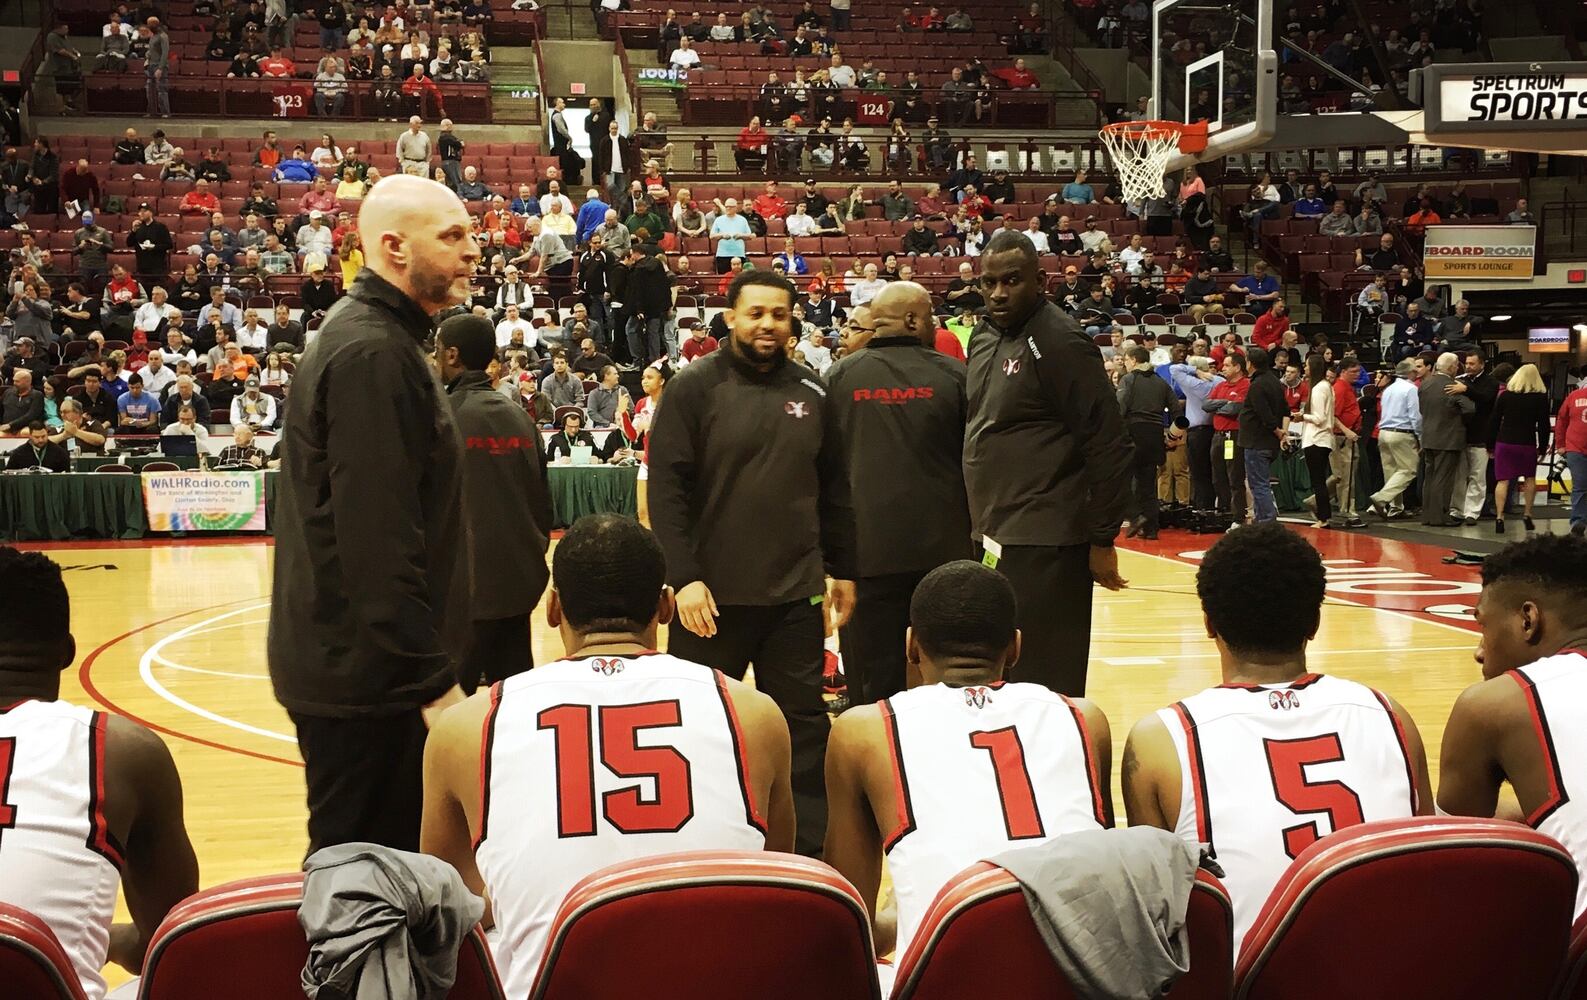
(592, 489)
(1294, 480)
(61, 506)
(66, 505)
(88, 463)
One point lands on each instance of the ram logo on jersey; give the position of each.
(1282, 700)
(605, 667)
(977, 697)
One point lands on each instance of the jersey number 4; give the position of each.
(8, 812)
(1021, 818)
(1287, 761)
(627, 809)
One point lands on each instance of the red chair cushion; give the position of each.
(242, 941)
(698, 924)
(983, 911)
(33, 965)
(1426, 907)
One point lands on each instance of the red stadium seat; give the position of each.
(1574, 984)
(242, 941)
(33, 965)
(811, 933)
(1391, 910)
(983, 912)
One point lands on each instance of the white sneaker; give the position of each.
(1232, 526)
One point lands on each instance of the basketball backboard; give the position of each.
(1216, 61)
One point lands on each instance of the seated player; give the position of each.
(964, 765)
(1526, 722)
(87, 800)
(675, 756)
(1276, 757)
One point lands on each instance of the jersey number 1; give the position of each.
(1287, 761)
(627, 809)
(1021, 818)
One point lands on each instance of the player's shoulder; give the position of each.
(753, 708)
(861, 728)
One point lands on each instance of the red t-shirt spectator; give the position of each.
(977, 206)
(949, 344)
(276, 66)
(693, 348)
(1570, 424)
(1269, 330)
(1017, 78)
(770, 206)
(753, 140)
(199, 203)
(414, 86)
(1347, 408)
(1229, 390)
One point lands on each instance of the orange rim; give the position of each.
(1192, 136)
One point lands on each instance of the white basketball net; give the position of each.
(1140, 155)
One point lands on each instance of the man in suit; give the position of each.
(1479, 386)
(616, 159)
(1444, 417)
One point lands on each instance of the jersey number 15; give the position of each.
(626, 809)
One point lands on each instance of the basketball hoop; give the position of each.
(1141, 151)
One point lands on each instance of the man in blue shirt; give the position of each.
(1399, 431)
(140, 411)
(1077, 191)
(526, 203)
(1261, 288)
(1414, 334)
(728, 232)
(591, 214)
(793, 263)
(1310, 206)
(296, 168)
(1194, 380)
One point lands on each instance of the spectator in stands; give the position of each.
(276, 259)
(614, 236)
(1521, 215)
(1371, 191)
(1424, 216)
(153, 315)
(22, 404)
(1458, 330)
(79, 433)
(39, 452)
(297, 168)
(1309, 205)
(253, 408)
(277, 65)
(184, 392)
(1414, 334)
(187, 424)
(200, 200)
(139, 411)
(150, 242)
(421, 89)
(330, 87)
(413, 149)
(608, 401)
(728, 232)
(562, 387)
(1384, 258)
(80, 185)
(285, 333)
(863, 291)
(157, 70)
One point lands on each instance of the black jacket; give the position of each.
(1046, 461)
(1481, 390)
(370, 605)
(55, 458)
(504, 478)
(153, 260)
(749, 486)
(647, 288)
(1144, 398)
(901, 408)
(1263, 413)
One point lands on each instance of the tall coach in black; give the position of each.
(749, 497)
(506, 502)
(1046, 463)
(369, 611)
(901, 406)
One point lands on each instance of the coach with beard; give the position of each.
(749, 497)
(901, 407)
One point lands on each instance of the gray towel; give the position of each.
(1110, 904)
(383, 924)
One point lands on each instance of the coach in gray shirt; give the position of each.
(157, 70)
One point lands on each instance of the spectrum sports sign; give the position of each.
(1501, 97)
(1481, 252)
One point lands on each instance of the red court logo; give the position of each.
(795, 409)
(977, 697)
(1011, 366)
(606, 667)
(1282, 701)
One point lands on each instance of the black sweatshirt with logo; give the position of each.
(1046, 461)
(749, 487)
(901, 406)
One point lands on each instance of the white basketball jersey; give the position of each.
(1267, 770)
(981, 770)
(57, 858)
(1556, 690)
(596, 760)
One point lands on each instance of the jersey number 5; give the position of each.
(1287, 761)
(627, 809)
(1021, 818)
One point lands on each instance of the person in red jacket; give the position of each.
(199, 201)
(422, 89)
(1270, 326)
(1228, 460)
(1017, 77)
(277, 65)
(750, 150)
(1570, 439)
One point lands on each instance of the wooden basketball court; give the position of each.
(172, 634)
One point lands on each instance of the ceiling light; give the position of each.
(1500, 318)
(1580, 328)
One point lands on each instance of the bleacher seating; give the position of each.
(33, 966)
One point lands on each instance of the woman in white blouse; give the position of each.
(1317, 434)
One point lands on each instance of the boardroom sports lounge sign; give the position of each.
(1502, 97)
(1479, 252)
